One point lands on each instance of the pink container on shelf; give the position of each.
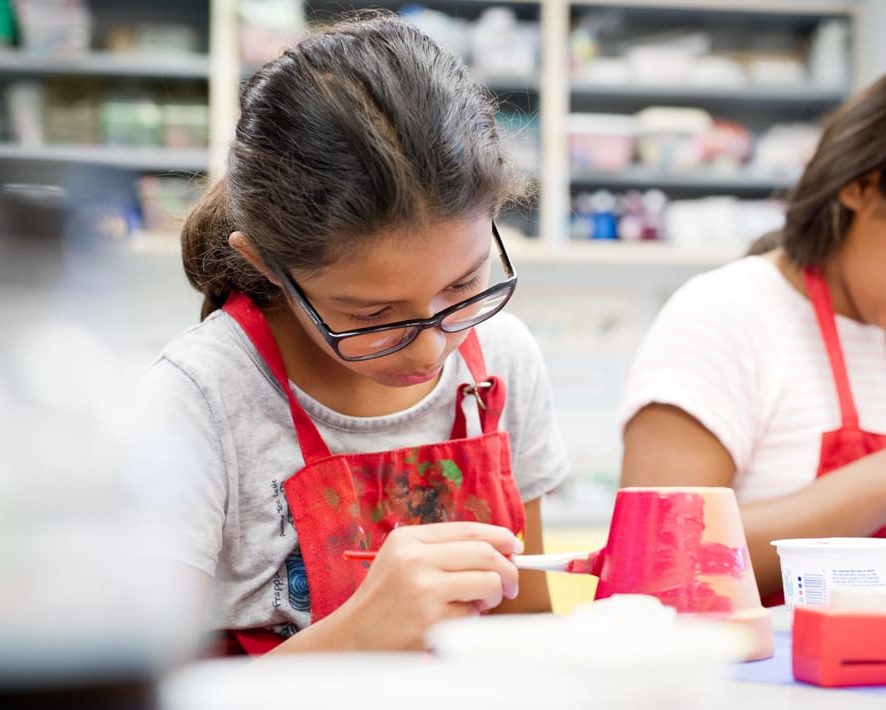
(601, 141)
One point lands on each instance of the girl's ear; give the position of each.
(861, 193)
(241, 244)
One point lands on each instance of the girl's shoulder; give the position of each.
(742, 276)
(212, 332)
(208, 351)
(748, 292)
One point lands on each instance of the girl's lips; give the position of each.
(418, 379)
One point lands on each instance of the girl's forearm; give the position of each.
(333, 633)
(848, 502)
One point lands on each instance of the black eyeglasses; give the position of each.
(381, 340)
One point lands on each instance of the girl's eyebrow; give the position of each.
(357, 302)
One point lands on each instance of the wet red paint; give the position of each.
(655, 547)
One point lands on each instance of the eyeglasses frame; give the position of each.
(334, 338)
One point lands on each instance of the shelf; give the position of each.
(702, 181)
(726, 8)
(613, 253)
(788, 96)
(457, 8)
(530, 251)
(139, 159)
(508, 83)
(162, 66)
(499, 83)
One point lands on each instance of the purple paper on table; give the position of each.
(777, 670)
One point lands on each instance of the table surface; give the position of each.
(770, 684)
(767, 684)
(760, 685)
(766, 696)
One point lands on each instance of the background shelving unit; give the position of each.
(741, 36)
(544, 97)
(119, 109)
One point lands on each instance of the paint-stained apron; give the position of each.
(352, 501)
(849, 443)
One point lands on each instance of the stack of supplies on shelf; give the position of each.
(605, 50)
(54, 26)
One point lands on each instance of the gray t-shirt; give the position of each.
(216, 427)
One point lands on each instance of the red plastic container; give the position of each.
(834, 647)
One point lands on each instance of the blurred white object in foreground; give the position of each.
(627, 651)
(370, 681)
(85, 600)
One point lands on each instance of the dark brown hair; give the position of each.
(852, 145)
(365, 126)
(765, 243)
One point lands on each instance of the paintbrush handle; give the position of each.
(556, 562)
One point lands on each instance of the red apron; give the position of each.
(352, 501)
(848, 443)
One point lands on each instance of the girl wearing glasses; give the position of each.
(769, 374)
(348, 387)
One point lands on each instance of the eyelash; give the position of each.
(466, 286)
(370, 318)
(373, 317)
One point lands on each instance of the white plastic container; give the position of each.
(625, 651)
(812, 568)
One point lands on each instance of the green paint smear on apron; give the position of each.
(452, 472)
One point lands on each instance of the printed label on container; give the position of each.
(804, 586)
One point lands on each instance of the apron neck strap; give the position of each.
(473, 356)
(242, 309)
(817, 289)
(488, 391)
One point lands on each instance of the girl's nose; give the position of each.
(426, 351)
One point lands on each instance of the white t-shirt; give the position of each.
(739, 349)
(216, 428)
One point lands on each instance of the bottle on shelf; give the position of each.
(604, 222)
(604, 216)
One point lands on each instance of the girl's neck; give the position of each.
(330, 381)
(841, 297)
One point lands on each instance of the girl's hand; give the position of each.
(426, 573)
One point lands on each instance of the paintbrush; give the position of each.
(556, 562)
